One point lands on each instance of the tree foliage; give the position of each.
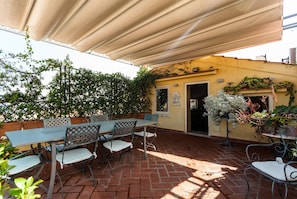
(72, 92)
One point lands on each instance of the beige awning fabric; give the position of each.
(148, 32)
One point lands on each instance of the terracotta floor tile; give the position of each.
(182, 167)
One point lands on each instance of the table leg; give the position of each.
(144, 143)
(53, 171)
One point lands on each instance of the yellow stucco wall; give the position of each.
(217, 67)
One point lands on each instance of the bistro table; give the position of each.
(287, 141)
(55, 134)
(279, 136)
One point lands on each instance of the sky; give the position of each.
(276, 51)
(15, 43)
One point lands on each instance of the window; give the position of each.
(162, 100)
(258, 103)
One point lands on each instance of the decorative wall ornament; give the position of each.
(175, 98)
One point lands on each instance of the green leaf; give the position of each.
(20, 182)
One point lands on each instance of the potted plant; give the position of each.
(283, 119)
(225, 107)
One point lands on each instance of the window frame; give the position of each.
(156, 96)
(269, 99)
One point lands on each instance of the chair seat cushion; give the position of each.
(117, 145)
(148, 134)
(276, 170)
(23, 163)
(74, 155)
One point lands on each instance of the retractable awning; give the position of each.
(148, 32)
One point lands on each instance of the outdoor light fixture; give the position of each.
(196, 69)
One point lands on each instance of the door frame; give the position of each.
(186, 102)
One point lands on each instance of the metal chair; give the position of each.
(101, 118)
(26, 162)
(75, 150)
(279, 171)
(56, 122)
(151, 132)
(122, 138)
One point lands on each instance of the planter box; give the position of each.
(133, 115)
(10, 126)
(32, 124)
(79, 120)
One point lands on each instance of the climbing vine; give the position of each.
(256, 83)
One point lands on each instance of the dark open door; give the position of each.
(197, 122)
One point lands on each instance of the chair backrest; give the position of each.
(152, 117)
(81, 135)
(98, 118)
(123, 128)
(55, 122)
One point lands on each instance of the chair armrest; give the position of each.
(290, 170)
(256, 152)
(20, 154)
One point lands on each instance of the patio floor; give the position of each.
(182, 167)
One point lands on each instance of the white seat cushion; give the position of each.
(148, 134)
(73, 156)
(23, 163)
(117, 145)
(276, 170)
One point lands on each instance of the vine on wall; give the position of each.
(256, 83)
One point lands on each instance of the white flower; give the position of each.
(218, 106)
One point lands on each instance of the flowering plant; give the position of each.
(282, 118)
(256, 119)
(224, 106)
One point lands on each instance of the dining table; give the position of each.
(53, 135)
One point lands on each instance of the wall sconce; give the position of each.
(195, 70)
(175, 85)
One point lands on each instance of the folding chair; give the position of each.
(56, 122)
(76, 148)
(26, 162)
(101, 118)
(277, 170)
(151, 132)
(122, 138)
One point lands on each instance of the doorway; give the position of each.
(196, 121)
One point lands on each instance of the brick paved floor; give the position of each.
(182, 167)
